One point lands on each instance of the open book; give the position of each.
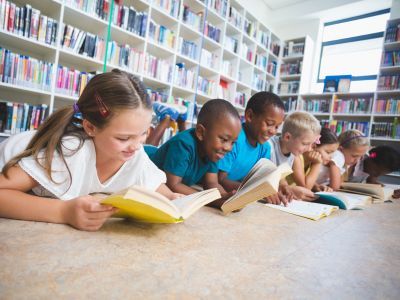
(152, 207)
(262, 181)
(343, 200)
(376, 191)
(309, 210)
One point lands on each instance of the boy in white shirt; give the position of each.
(300, 130)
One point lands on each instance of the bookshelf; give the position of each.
(185, 51)
(386, 109)
(295, 71)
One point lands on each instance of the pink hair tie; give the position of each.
(317, 141)
(372, 155)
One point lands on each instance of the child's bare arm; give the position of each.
(227, 184)
(298, 172)
(165, 191)
(335, 179)
(316, 163)
(175, 184)
(84, 213)
(211, 181)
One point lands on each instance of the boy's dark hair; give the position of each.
(259, 101)
(213, 110)
(327, 137)
(386, 157)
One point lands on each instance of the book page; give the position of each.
(310, 210)
(189, 204)
(344, 200)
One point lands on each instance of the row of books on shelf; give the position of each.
(240, 99)
(100, 8)
(194, 20)
(130, 19)
(234, 17)
(157, 68)
(162, 35)
(250, 28)
(288, 87)
(184, 77)
(127, 18)
(231, 44)
(317, 105)
(188, 48)
(18, 117)
(171, 6)
(27, 22)
(390, 58)
(219, 6)
(85, 43)
(386, 129)
(259, 82)
(389, 82)
(293, 49)
(291, 68)
(339, 126)
(209, 59)
(227, 68)
(290, 104)
(271, 67)
(212, 32)
(207, 86)
(247, 53)
(24, 71)
(353, 105)
(126, 57)
(392, 33)
(261, 61)
(71, 81)
(275, 47)
(387, 106)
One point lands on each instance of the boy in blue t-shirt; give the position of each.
(264, 113)
(190, 157)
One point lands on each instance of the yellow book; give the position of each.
(309, 210)
(262, 181)
(148, 206)
(376, 191)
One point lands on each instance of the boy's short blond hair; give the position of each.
(353, 137)
(299, 122)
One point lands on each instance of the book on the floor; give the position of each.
(376, 191)
(262, 181)
(309, 210)
(148, 206)
(343, 200)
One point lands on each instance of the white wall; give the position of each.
(395, 11)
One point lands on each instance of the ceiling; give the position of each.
(278, 4)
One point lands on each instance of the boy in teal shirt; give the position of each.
(190, 157)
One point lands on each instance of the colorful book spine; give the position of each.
(207, 86)
(317, 105)
(171, 6)
(387, 106)
(191, 18)
(212, 32)
(25, 71)
(188, 48)
(162, 35)
(389, 130)
(339, 126)
(157, 68)
(184, 77)
(291, 68)
(209, 59)
(70, 81)
(353, 105)
(288, 87)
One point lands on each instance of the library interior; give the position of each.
(337, 60)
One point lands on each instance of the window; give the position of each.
(353, 46)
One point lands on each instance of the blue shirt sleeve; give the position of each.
(213, 167)
(267, 150)
(226, 163)
(177, 158)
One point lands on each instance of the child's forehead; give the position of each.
(225, 123)
(307, 134)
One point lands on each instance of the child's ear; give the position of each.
(248, 115)
(89, 128)
(286, 136)
(200, 132)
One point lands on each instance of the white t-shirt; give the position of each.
(139, 170)
(359, 175)
(338, 159)
(277, 157)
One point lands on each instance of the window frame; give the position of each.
(358, 38)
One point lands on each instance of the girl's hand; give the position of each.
(86, 213)
(314, 157)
